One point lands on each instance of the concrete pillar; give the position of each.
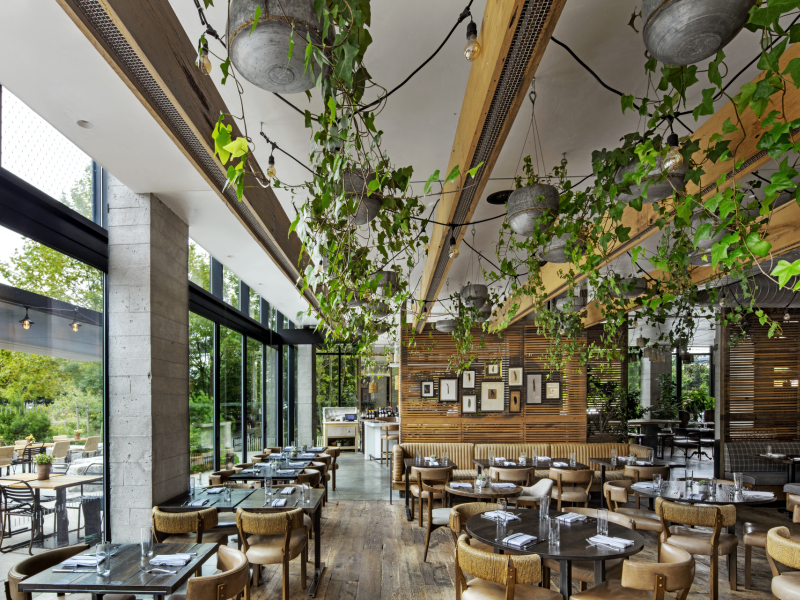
(651, 391)
(148, 358)
(306, 394)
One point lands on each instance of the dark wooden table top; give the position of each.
(485, 492)
(214, 500)
(443, 464)
(308, 450)
(483, 463)
(674, 492)
(126, 575)
(573, 544)
(621, 464)
(256, 501)
(784, 460)
(262, 473)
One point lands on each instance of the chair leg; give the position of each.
(303, 561)
(412, 503)
(714, 576)
(427, 542)
(286, 578)
(748, 552)
(545, 578)
(256, 569)
(420, 509)
(732, 568)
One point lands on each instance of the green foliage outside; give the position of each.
(328, 368)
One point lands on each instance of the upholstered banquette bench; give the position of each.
(742, 457)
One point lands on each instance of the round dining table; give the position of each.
(488, 491)
(573, 547)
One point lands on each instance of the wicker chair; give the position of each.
(521, 477)
(459, 515)
(781, 549)
(699, 542)
(241, 466)
(617, 492)
(220, 477)
(531, 496)
(234, 579)
(274, 538)
(644, 473)
(41, 562)
(187, 527)
(498, 575)
(647, 581)
(437, 476)
(572, 494)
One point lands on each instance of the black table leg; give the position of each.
(319, 566)
(599, 571)
(62, 519)
(408, 510)
(602, 487)
(565, 578)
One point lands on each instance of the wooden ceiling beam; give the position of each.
(642, 222)
(497, 31)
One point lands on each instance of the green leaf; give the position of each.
(208, 3)
(622, 233)
(793, 70)
(434, 177)
(627, 102)
(332, 108)
(713, 69)
(452, 176)
(474, 170)
(785, 271)
(706, 107)
(756, 245)
(636, 204)
(222, 137)
(291, 45)
(307, 118)
(632, 22)
(744, 96)
(238, 147)
(794, 33)
(719, 251)
(256, 17)
(703, 233)
(728, 127)
(224, 67)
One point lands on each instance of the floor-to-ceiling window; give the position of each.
(201, 395)
(253, 396)
(230, 378)
(271, 396)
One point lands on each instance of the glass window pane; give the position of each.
(230, 287)
(33, 150)
(199, 266)
(201, 395)
(271, 388)
(255, 305)
(254, 395)
(285, 399)
(230, 427)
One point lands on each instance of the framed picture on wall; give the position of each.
(552, 390)
(515, 401)
(469, 404)
(427, 389)
(534, 395)
(492, 396)
(468, 379)
(515, 377)
(493, 369)
(448, 390)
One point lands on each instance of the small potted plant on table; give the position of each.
(30, 439)
(43, 464)
(78, 433)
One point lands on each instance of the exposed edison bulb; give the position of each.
(473, 49)
(26, 322)
(271, 170)
(786, 316)
(453, 248)
(74, 326)
(674, 159)
(427, 247)
(204, 63)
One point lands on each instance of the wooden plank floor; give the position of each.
(372, 552)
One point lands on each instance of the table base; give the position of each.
(315, 581)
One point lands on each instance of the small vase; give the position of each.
(43, 471)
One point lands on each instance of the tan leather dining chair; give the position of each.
(755, 536)
(241, 466)
(437, 517)
(461, 513)
(713, 543)
(781, 549)
(187, 527)
(571, 493)
(644, 473)
(41, 562)
(233, 581)
(521, 477)
(617, 492)
(334, 453)
(648, 581)
(437, 477)
(274, 538)
(532, 496)
(220, 477)
(498, 576)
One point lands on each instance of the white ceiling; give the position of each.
(64, 79)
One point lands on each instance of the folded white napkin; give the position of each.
(508, 463)
(695, 496)
(643, 485)
(499, 459)
(284, 472)
(496, 515)
(543, 458)
(317, 448)
(457, 485)
(217, 490)
(431, 463)
(296, 464)
(290, 448)
(262, 464)
(751, 494)
(249, 471)
(82, 560)
(560, 464)
(519, 539)
(279, 502)
(775, 455)
(307, 455)
(172, 560)
(611, 541)
(287, 490)
(201, 502)
(570, 517)
(644, 463)
(504, 485)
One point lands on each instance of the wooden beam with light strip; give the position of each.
(495, 37)
(642, 226)
(152, 30)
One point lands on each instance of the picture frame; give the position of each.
(493, 370)
(427, 389)
(468, 379)
(492, 396)
(552, 390)
(515, 377)
(469, 403)
(515, 401)
(448, 389)
(534, 395)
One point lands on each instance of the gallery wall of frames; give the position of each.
(507, 395)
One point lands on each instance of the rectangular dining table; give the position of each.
(59, 484)
(213, 500)
(605, 463)
(483, 463)
(126, 575)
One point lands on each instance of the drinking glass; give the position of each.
(445, 455)
(503, 503)
(554, 531)
(419, 457)
(712, 489)
(500, 530)
(103, 554)
(192, 486)
(534, 457)
(602, 522)
(523, 458)
(305, 447)
(738, 481)
(657, 481)
(613, 458)
(491, 457)
(650, 455)
(572, 459)
(769, 449)
(146, 542)
(544, 507)
(269, 487)
(306, 491)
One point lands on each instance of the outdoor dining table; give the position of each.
(483, 463)
(59, 484)
(622, 461)
(573, 546)
(126, 576)
(412, 462)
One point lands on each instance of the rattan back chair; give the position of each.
(783, 550)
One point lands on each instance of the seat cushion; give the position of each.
(787, 586)
(209, 537)
(441, 516)
(612, 588)
(755, 535)
(479, 589)
(268, 549)
(697, 541)
(645, 520)
(570, 494)
(414, 489)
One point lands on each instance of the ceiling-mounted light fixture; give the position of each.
(203, 62)
(26, 322)
(453, 248)
(473, 48)
(271, 170)
(499, 198)
(75, 325)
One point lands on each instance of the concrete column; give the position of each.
(148, 358)
(306, 394)
(651, 391)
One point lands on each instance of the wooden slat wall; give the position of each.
(760, 388)
(427, 419)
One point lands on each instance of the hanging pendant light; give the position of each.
(75, 325)
(26, 322)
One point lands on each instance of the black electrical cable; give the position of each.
(276, 147)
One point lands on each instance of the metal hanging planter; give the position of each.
(631, 287)
(556, 251)
(485, 312)
(261, 55)
(656, 191)
(527, 204)
(702, 258)
(475, 295)
(355, 185)
(446, 325)
(387, 282)
(571, 304)
(684, 32)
